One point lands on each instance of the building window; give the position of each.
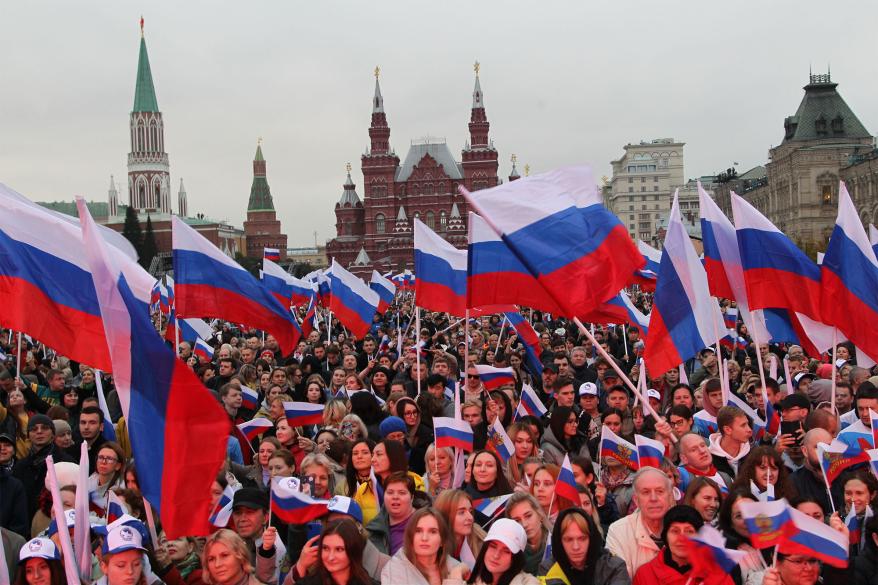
(643, 188)
(443, 220)
(826, 195)
(655, 179)
(431, 219)
(631, 216)
(379, 223)
(630, 179)
(630, 208)
(631, 189)
(655, 188)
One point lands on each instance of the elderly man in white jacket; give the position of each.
(636, 538)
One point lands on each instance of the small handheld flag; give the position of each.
(272, 254)
(565, 487)
(223, 511)
(253, 428)
(300, 414)
(501, 442)
(813, 538)
(203, 350)
(452, 432)
(249, 398)
(767, 522)
(615, 447)
(531, 402)
(291, 505)
(708, 553)
(491, 506)
(493, 378)
(649, 451)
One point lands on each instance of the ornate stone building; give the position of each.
(799, 190)
(376, 231)
(262, 228)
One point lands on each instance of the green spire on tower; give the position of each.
(260, 193)
(144, 92)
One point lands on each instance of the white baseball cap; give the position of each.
(651, 393)
(39, 548)
(69, 519)
(510, 533)
(588, 389)
(121, 539)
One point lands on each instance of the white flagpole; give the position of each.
(18, 359)
(417, 348)
(834, 357)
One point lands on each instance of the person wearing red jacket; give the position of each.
(671, 566)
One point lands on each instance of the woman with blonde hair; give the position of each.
(226, 560)
(333, 413)
(440, 469)
(424, 558)
(456, 507)
(526, 445)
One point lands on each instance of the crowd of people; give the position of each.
(401, 511)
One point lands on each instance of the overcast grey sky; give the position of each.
(564, 82)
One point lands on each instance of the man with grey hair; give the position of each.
(636, 538)
(808, 479)
(856, 377)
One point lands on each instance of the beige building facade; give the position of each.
(643, 183)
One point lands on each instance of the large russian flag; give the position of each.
(177, 429)
(684, 317)
(46, 287)
(722, 262)
(496, 276)
(557, 226)
(386, 291)
(274, 278)
(850, 279)
(441, 270)
(531, 340)
(492, 378)
(776, 273)
(210, 284)
(352, 301)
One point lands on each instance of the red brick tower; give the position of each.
(479, 155)
(262, 228)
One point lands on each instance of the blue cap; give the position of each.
(347, 506)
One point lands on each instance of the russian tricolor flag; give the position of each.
(557, 226)
(301, 414)
(730, 317)
(495, 275)
(253, 428)
(649, 451)
(565, 487)
(646, 277)
(109, 432)
(491, 507)
(708, 553)
(291, 505)
(620, 309)
(46, 287)
(386, 291)
(684, 318)
(353, 302)
(813, 538)
(441, 270)
(500, 441)
(213, 285)
(203, 350)
(275, 280)
(272, 254)
(615, 447)
(768, 523)
(115, 507)
(223, 511)
(492, 378)
(722, 262)
(531, 402)
(850, 279)
(776, 273)
(838, 456)
(452, 432)
(529, 338)
(249, 398)
(178, 431)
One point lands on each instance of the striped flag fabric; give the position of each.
(500, 441)
(452, 432)
(300, 414)
(531, 402)
(649, 451)
(253, 428)
(768, 523)
(491, 506)
(813, 538)
(203, 350)
(565, 487)
(222, 513)
(291, 505)
(615, 447)
(708, 553)
(272, 254)
(493, 378)
(249, 398)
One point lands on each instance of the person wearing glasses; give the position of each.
(108, 470)
(418, 436)
(793, 570)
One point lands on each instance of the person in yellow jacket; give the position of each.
(388, 456)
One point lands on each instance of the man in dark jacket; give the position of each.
(808, 479)
(13, 501)
(31, 471)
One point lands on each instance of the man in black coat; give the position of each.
(13, 501)
(31, 471)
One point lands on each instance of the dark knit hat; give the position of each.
(40, 419)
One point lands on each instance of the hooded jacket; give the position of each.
(722, 460)
(600, 566)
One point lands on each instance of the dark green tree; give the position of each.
(132, 231)
(251, 265)
(150, 248)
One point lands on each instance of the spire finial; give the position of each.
(526, 170)
(141, 25)
(348, 168)
(514, 159)
(377, 71)
(476, 67)
(259, 141)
